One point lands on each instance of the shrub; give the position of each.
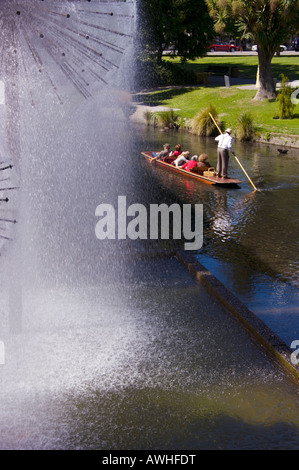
(148, 116)
(267, 136)
(203, 124)
(246, 128)
(182, 122)
(169, 118)
(286, 107)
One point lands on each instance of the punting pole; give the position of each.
(235, 155)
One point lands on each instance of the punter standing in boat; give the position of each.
(225, 142)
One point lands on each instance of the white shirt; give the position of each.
(180, 159)
(225, 141)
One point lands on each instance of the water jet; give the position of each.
(110, 350)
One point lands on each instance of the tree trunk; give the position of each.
(265, 82)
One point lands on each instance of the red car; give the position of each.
(223, 46)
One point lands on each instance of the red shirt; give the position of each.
(189, 165)
(176, 153)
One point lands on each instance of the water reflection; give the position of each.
(253, 234)
(119, 351)
(160, 365)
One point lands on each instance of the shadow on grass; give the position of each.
(294, 116)
(290, 71)
(158, 98)
(246, 70)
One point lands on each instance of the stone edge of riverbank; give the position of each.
(264, 336)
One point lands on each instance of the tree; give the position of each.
(194, 28)
(268, 22)
(155, 23)
(186, 24)
(286, 107)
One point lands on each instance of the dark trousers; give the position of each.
(222, 163)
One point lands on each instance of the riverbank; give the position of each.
(230, 102)
(284, 140)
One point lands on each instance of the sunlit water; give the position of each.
(108, 345)
(117, 350)
(250, 238)
(150, 362)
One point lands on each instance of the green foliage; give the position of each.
(203, 124)
(286, 107)
(148, 116)
(169, 118)
(229, 102)
(267, 136)
(224, 20)
(246, 128)
(268, 22)
(185, 24)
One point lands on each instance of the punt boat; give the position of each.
(195, 173)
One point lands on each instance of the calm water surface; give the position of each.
(122, 351)
(251, 238)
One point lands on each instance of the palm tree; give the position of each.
(268, 22)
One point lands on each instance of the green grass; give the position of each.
(247, 65)
(232, 102)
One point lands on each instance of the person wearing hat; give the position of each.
(164, 153)
(224, 146)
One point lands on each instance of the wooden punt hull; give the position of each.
(226, 182)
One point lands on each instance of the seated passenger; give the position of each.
(173, 155)
(189, 165)
(160, 155)
(181, 159)
(202, 161)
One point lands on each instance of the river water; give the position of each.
(106, 344)
(250, 238)
(119, 347)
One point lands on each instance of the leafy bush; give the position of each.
(203, 124)
(246, 128)
(148, 116)
(169, 119)
(267, 136)
(286, 107)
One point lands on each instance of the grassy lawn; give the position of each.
(247, 65)
(231, 102)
